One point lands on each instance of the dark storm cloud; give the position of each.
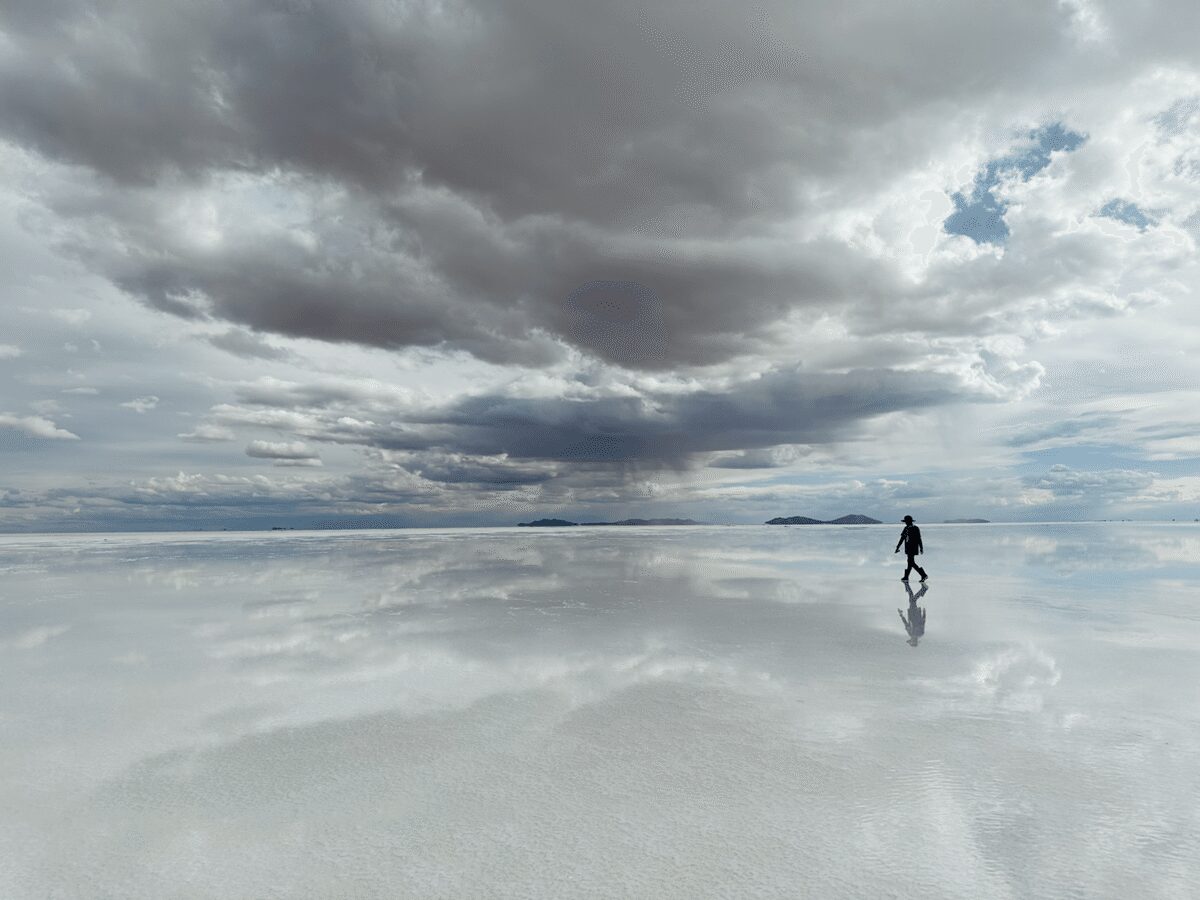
(780, 408)
(535, 105)
(495, 159)
(654, 428)
(493, 473)
(427, 270)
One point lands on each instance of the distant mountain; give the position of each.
(560, 523)
(965, 521)
(853, 519)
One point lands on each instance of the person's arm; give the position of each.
(899, 542)
(920, 543)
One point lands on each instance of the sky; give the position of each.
(303, 264)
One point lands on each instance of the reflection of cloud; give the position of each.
(431, 690)
(1085, 549)
(1015, 678)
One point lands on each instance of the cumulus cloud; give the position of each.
(36, 426)
(8, 351)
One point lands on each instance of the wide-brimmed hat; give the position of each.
(908, 519)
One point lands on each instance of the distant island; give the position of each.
(964, 521)
(561, 523)
(853, 519)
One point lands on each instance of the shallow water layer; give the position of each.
(602, 712)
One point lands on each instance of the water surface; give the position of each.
(601, 712)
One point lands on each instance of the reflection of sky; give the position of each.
(641, 712)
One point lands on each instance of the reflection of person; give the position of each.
(915, 623)
(910, 537)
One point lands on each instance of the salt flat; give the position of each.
(601, 712)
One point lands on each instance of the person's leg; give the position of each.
(920, 570)
(908, 569)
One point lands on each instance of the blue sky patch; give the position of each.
(979, 215)
(1124, 211)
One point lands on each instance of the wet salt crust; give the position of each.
(601, 712)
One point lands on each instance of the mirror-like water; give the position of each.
(651, 712)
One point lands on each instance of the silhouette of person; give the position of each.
(915, 623)
(910, 537)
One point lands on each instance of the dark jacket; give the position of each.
(910, 537)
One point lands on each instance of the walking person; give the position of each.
(910, 537)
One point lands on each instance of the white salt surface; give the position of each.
(601, 712)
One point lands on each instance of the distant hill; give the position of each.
(964, 521)
(852, 519)
(560, 523)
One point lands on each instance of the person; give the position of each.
(915, 623)
(910, 537)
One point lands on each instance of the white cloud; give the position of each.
(46, 407)
(281, 450)
(36, 637)
(71, 316)
(36, 426)
(1087, 20)
(208, 433)
(141, 404)
(8, 351)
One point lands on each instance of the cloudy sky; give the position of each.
(394, 261)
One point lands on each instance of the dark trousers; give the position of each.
(912, 564)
